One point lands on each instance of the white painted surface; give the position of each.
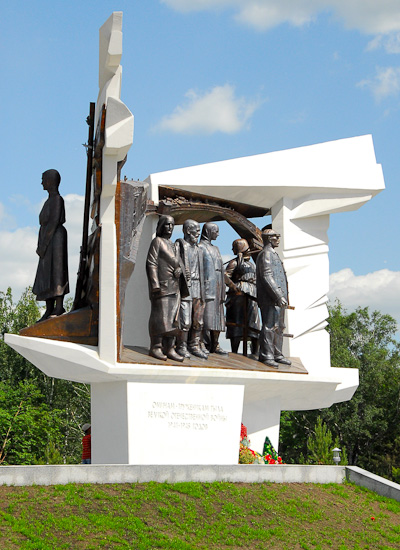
(342, 171)
(138, 423)
(110, 426)
(118, 139)
(263, 419)
(83, 364)
(208, 473)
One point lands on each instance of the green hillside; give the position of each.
(187, 516)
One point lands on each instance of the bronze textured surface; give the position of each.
(246, 210)
(79, 326)
(182, 209)
(136, 354)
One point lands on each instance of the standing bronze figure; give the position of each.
(242, 318)
(192, 307)
(163, 273)
(214, 286)
(272, 297)
(51, 281)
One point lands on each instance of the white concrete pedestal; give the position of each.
(123, 395)
(139, 423)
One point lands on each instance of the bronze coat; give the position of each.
(161, 264)
(214, 286)
(52, 273)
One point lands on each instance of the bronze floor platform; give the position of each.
(234, 361)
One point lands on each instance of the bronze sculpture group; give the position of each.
(187, 283)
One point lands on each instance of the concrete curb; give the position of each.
(375, 483)
(241, 473)
(123, 473)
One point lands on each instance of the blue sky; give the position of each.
(207, 80)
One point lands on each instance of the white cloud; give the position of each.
(215, 111)
(370, 16)
(379, 290)
(386, 82)
(5, 219)
(390, 43)
(18, 250)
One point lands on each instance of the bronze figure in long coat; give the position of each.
(214, 288)
(192, 307)
(51, 281)
(164, 278)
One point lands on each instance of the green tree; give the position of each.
(320, 445)
(67, 403)
(27, 425)
(367, 425)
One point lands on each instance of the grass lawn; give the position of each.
(186, 516)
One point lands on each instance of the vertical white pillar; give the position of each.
(118, 137)
(110, 430)
(262, 419)
(304, 251)
(108, 265)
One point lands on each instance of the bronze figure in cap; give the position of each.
(272, 297)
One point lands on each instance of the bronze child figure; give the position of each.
(240, 277)
(51, 282)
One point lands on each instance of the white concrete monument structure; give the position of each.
(190, 413)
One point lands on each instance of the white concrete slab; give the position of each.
(112, 473)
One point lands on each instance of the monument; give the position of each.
(152, 410)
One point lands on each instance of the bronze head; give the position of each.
(191, 231)
(51, 179)
(165, 226)
(271, 236)
(240, 246)
(210, 231)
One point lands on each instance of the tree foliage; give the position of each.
(320, 445)
(368, 425)
(40, 416)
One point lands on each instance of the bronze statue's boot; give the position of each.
(156, 348)
(282, 360)
(203, 348)
(278, 343)
(254, 349)
(49, 310)
(194, 345)
(59, 309)
(57, 312)
(215, 347)
(270, 362)
(170, 350)
(235, 341)
(267, 346)
(181, 344)
(279, 358)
